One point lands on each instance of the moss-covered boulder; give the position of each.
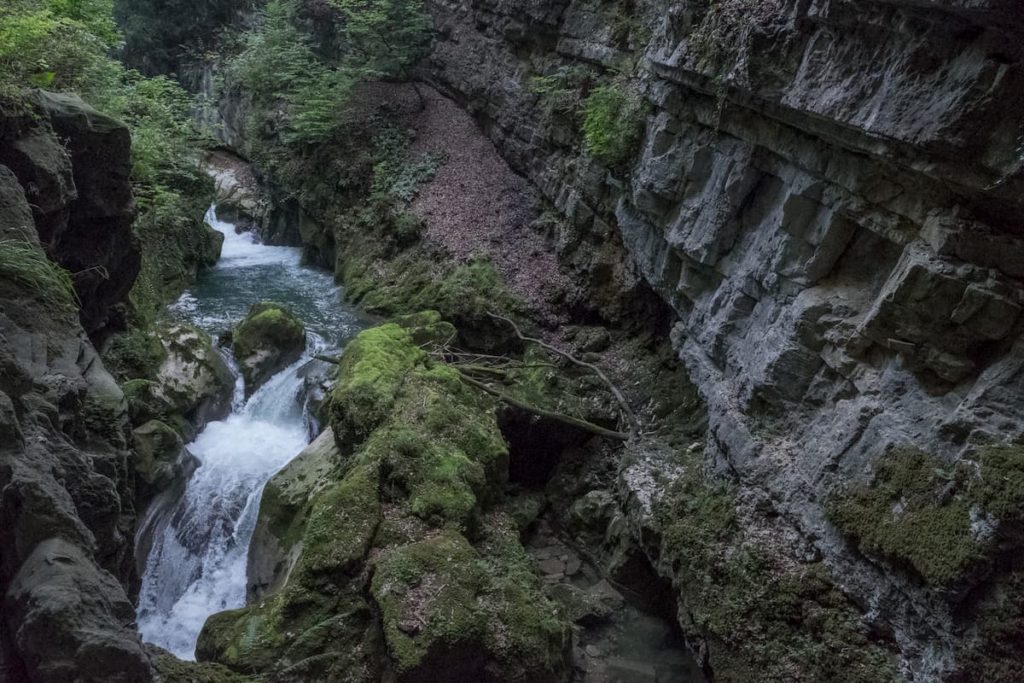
(160, 459)
(378, 552)
(269, 339)
(373, 369)
(455, 612)
(192, 383)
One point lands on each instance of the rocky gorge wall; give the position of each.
(66, 479)
(828, 195)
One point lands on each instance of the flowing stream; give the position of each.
(197, 562)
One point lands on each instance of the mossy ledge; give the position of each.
(761, 618)
(394, 558)
(942, 522)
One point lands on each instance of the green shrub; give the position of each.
(395, 172)
(561, 93)
(294, 92)
(613, 124)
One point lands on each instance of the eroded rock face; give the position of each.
(268, 340)
(71, 620)
(74, 164)
(66, 486)
(827, 194)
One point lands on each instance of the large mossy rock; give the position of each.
(192, 382)
(269, 339)
(376, 552)
(160, 459)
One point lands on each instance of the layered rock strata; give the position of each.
(827, 195)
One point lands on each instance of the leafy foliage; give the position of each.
(386, 37)
(296, 94)
(613, 124)
(53, 43)
(159, 33)
(395, 173)
(562, 92)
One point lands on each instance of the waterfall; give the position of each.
(197, 562)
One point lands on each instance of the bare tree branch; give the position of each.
(549, 414)
(619, 396)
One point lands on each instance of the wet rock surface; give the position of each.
(613, 639)
(268, 340)
(193, 382)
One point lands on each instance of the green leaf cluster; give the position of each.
(301, 99)
(613, 124)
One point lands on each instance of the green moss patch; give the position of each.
(442, 450)
(937, 520)
(372, 370)
(613, 124)
(175, 241)
(416, 280)
(444, 601)
(267, 326)
(763, 621)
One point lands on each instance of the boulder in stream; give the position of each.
(160, 459)
(193, 383)
(269, 339)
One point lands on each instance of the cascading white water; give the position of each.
(197, 562)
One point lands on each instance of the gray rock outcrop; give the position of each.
(81, 199)
(827, 196)
(66, 485)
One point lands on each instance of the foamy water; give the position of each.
(197, 562)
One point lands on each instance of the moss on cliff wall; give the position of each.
(763, 619)
(937, 520)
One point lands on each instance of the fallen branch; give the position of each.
(541, 412)
(327, 359)
(619, 396)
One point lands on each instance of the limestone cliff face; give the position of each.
(828, 195)
(66, 482)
